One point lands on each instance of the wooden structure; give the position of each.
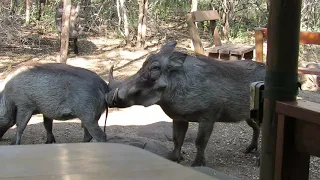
(261, 34)
(297, 138)
(88, 161)
(290, 128)
(226, 51)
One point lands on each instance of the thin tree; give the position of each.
(122, 16)
(28, 8)
(41, 4)
(13, 6)
(64, 40)
(194, 7)
(143, 7)
(125, 20)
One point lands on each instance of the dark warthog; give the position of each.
(58, 91)
(191, 89)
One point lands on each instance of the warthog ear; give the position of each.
(176, 60)
(168, 48)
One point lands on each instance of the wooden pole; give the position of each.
(258, 33)
(281, 77)
(65, 31)
(195, 37)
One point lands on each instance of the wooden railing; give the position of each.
(297, 138)
(261, 34)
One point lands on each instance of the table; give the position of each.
(298, 137)
(89, 161)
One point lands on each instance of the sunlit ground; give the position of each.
(135, 115)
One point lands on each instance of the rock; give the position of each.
(142, 143)
(214, 173)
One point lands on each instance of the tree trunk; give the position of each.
(140, 21)
(125, 20)
(28, 5)
(268, 5)
(87, 12)
(119, 17)
(227, 10)
(65, 31)
(41, 4)
(144, 24)
(13, 6)
(143, 7)
(194, 5)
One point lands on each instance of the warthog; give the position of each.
(58, 91)
(191, 89)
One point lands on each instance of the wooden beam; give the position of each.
(196, 41)
(306, 37)
(302, 70)
(301, 109)
(261, 34)
(205, 15)
(282, 66)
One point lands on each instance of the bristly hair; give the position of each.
(225, 68)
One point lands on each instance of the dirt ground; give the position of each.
(225, 148)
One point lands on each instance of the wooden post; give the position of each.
(65, 31)
(292, 164)
(281, 77)
(259, 44)
(196, 41)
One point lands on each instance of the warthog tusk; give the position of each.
(115, 94)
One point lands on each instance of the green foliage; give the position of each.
(244, 15)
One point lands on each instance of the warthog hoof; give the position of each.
(174, 157)
(50, 140)
(199, 162)
(250, 148)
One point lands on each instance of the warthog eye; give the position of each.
(154, 73)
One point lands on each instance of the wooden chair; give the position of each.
(226, 51)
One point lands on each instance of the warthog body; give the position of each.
(191, 89)
(58, 91)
